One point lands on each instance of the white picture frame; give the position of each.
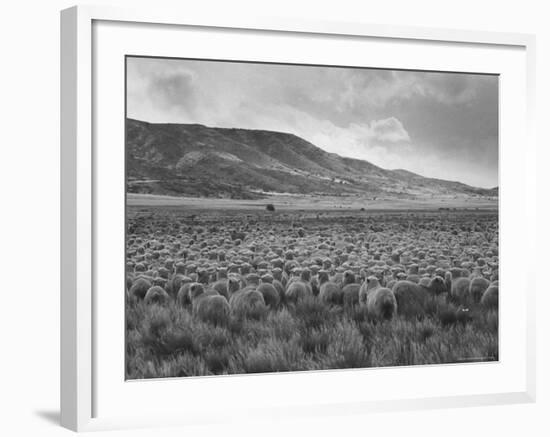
(80, 342)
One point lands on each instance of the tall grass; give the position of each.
(168, 341)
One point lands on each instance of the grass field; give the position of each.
(168, 339)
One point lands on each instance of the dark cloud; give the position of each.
(173, 89)
(438, 124)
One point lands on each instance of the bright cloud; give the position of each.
(437, 124)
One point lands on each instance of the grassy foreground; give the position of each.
(168, 341)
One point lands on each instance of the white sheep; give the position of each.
(209, 306)
(380, 301)
(477, 288)
(490, 296)
(329, 292)
(156, 294)
(411, 298)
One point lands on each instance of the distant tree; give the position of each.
(270, 207)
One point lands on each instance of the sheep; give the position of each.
(280, 290)
(296, 291)
(221, 273)
(425, 282)
(413, 278)
(299, 287)
(460, 289)
(314, 283)
(163, 272)
(477, 288)
(156, 294)
(490, 296)
(176, 282)
(380, 301)
(221, 287)
(329, 292)
(233, 285)
(411, 298)
(140, 287)
(350, 289)
(183, 298)
(270, 294)
(435, 285)
(209, 306)
(248, 302)
(448, 281)
(252, 279)
(278, 276)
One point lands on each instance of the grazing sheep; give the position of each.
(176, 282)
(156, 294)
(183, 297)
(329, 292)
(140, 287)
(280, 290)
(221, 273)
(350, 294)
(425, 282)
(252, 279)
(314, 283)
(163, 272)
(209, 307)
(477, 288)
(456, 273)
(490, 296)
(411, 298)
(221, 287)
(270, 294)
(248, 303)
(278, 276)
(159, 281)
(180, 268)
(436, 285)
(380, 301)
(233, 285)
(448, 281)
(460, 289)
(295, 291)
(140, 268)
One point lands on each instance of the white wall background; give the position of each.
(29, 214)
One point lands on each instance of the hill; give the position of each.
(201, 161)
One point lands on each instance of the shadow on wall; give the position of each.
(50, 416)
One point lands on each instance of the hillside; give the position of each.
(195, 160)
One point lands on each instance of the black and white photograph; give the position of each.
(288, 217)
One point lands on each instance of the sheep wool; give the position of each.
(460, 289)
(157, 295)
(411, 298)
(212, 309)
(381, 303)
(270, 294)
(139, 288)
(490, 296)
(477, 288)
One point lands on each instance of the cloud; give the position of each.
(389, 130)
(437, 124)
(173, 89)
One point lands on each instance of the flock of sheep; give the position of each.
(245, 266)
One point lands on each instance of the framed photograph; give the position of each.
(278, 218)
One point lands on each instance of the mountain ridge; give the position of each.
(197, 160)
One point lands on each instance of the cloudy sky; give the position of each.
(442, 125)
